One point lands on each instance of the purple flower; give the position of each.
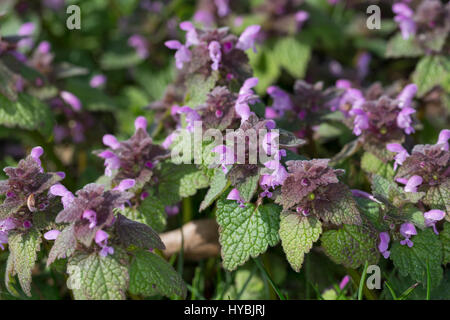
(433, 216)
(301, 17)
(26, 30)
(204, 17)
(125, 184)
(274, 179)
(140, 44)
(101, 238)
(112, 161)
(191, 117)
(44, 47)
(352, 98)
(215, 54)
(191, 33)
(362, 194)
(245, 94)
(71, 100)
(407, 230)
(97, 81)
(223, 7)
(140, 123)
(404, 18)
(413, 183)
(36, 153)
(344, 282)
(235, 195)
(384, 244)
(444, 135)
(401, 155)
(182, 55)
(248, 37)
(169, 140)
(361, 121)
(281, 100)
(3, 239)
(52, 234)
(227, 156)
(405, 97)
(404, 120)
(91, 216)
(61, 191)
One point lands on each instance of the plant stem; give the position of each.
(266, 275)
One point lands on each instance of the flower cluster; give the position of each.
(25, 192)
(429, 23)
(214, 50)
(307, 104)
(312, 187)
(378, 119)
(133, 158)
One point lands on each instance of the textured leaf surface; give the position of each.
(372, 164)
(150, 274)
(218, 185)
(23, 249)
(198, 88)
(191, 182)
(27, 113)
(398, 47)
(350, 246)
(151, 212)
(170, 181)
(413, 261)
(248, 188)
(246, 232)
(64, 245)
(135, 233)
(438, 197)
(430, 72)
(339, 208)
(297, 234)
(92, 277)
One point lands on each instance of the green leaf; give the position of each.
(292, 55)
(246, 232)
(430, 72)
(438, 197)
(130, 232)
(150, 274)
(339, 208)
(170, 176)
(191, 182)
(23, 249)
(297, 234)
(27, 113)
(124, 58)
(151, 212)
(64, 245)
(372, 164)
(398, 47)
(413, 261)
(248, 188)
(92, 277)
(7, 83)
(373, 212)
(218, 185)
(198, 88)
(265, 66)
(444, 236)
(351, 246)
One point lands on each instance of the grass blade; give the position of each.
(362, 281)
